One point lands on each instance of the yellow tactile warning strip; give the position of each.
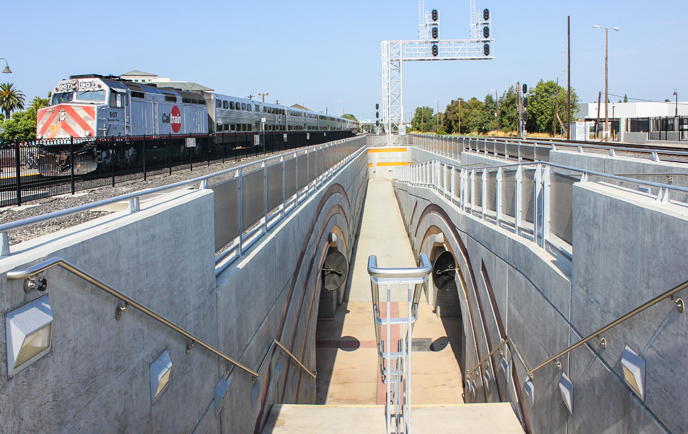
(376, 150)
(390, 163)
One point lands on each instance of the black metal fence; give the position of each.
(45, 168)
(669, 128)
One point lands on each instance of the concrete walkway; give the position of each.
(346, 356)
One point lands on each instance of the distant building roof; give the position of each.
(300, 107)
(183, 85)
(138, 73)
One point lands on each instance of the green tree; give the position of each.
(22, 125)
(452, 115)
(346, 116)
(11, 99)
(508, 116)
(489, 115)
(543, 100)
(424, 120)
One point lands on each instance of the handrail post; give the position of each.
(284, 187)
(241, 212)
(519, 198)
(537, 210)
(265, 196)
(546, 190)
(483, 193)
(498, 193)
(472, 190)
(451, 190)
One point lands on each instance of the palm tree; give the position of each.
(38, 103)
(11, 99)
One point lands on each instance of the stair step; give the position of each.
(438, 419)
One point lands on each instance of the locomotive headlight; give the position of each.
(40, 136)
(74, 84)
(88, 134)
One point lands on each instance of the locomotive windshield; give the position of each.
(90, 95)
(59, 98)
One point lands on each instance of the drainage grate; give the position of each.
(421, 344)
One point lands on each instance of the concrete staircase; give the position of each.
(435, 419)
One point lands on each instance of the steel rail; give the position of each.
(504, 342)
(642, 307)
(43, 266)
(402, 273)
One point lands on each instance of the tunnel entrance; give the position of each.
(446, 302)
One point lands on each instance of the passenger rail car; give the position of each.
(94, 108)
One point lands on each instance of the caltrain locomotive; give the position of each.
(92, 109)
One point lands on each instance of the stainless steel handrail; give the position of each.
(201, 179)
(43, 266)
(402, 273)
(504, 342)
(652, 302)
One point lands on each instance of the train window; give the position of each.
(243, 106)
(135, 94)
(225, 104)
(233, 127)
(218, 103)
(170, 98)
(218, 127)
(227, 127)
(257, 108)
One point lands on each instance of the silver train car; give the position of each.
(94, 107)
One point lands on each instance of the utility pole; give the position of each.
(263, 95)
(606, 75)
(568, 97)
(250, 97)
(597, 123)
(518, 107)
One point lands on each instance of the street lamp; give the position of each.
(7, 67)
(606, 75)
(496, 106)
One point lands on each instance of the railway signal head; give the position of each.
(486, 14)
(486, 49)
(525, 88)
(435, 33)
(435, 50)
(486, 32)
(435, 15)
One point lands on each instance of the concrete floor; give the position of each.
(346, 356)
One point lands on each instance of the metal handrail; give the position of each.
(540, 142)
(201, 179)
(504, 342)
(43, 266)
(403, 273)
(652, 302)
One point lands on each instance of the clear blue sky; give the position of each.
(326, 53)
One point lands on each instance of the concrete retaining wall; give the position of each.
(627, 249)
(96, 377)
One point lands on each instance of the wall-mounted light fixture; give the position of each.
(566, 389)
(160, 371)
(505, 367)
(220, 394)
(633, 367)
(530, 391)
(29, 334)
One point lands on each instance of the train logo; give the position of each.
(174, 119)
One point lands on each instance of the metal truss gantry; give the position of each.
(394, 53)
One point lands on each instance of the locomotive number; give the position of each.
(113, 115)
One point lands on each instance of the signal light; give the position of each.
(377, 114)
(525, 117)
(486, 32)
(525, 88)
(435, 50)
(377, 106)
(486, 14)
(486, 49)
(525, 101)
(435, 14)
(435, 33)
(377, 123)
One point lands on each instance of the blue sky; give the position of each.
(326, 54)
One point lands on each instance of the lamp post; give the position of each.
(496, 106)
(7, 67)
(676, 95)
(606, 76)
